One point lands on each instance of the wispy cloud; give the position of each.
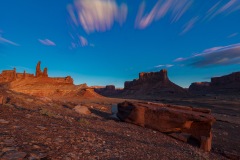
(80, 41)
(233, 35)
(223, 55)
(175, 7)
(83, 41)
(222, 7)
(97, 15)
(47, 42)
(6, 41)
(164, 66)
(189, 25)
(230, 5)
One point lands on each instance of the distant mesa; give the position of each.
(153, 84)
(148, 85)
(228, 84)
(108, 91)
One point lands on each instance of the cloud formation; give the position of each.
(233, 35)
(47, 42)
(79, 41)
(189, 25)
(223, 55)
(6, 41)
(96, 15)
(164, 66)
(176, 8)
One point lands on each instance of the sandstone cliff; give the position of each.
(228, 84)
(153, 84)
(41, 84)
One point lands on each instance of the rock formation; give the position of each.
(39, 84)
(184, 123)
(199, 87)
(45, 72)
(153, 84)
(38, 70)
(109, 90)
(228, 84)
(11, 76)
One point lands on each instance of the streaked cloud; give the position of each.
(80, 41)
(228, 6)
(47, 42)
(174, 7)
(6, 41)
(233, 35)
(83, 41)
(222, 8)
(97, 15)
(164, 66)
(189, 25)
(223, 55)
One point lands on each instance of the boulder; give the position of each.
(82, 110)
(197, 123)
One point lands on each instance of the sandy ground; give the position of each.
(41, 128)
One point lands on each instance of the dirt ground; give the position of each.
(42, 128)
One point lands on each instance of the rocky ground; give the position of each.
(42, 128)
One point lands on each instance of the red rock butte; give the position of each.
(12, 75)
(228, 84)
(152, 84)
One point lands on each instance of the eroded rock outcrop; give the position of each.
(109, 90)
(8, 76)
(41, 84)
(228, 84)
(153, 84)
(199, 87)
(190, 123)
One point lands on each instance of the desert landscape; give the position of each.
(120, 80)
(51, 118)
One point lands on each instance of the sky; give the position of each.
(102, 42)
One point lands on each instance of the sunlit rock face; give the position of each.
(183, 123)
(42, 85)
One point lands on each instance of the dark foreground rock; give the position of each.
(193, 125)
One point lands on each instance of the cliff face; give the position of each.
(199, 87)
(40, 84)
(9, 76)
(152, 84)
(228, 84)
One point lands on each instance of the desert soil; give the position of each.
(42, 128)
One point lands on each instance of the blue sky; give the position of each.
(102, 42)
